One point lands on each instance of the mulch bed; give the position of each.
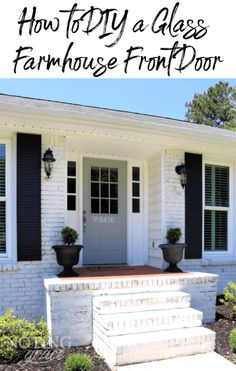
(56, 359)
(222, 327)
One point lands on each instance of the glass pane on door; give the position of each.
(104, 190)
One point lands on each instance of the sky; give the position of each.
(161, 97)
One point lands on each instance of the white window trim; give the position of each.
(229, 252)
(10, 255)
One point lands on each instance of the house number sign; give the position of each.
(104, 219)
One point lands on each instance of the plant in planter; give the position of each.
(173, 251)
(68, 254)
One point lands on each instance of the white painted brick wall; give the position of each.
(173, 203)
(21, 284)
(174, 198)
(226, 270)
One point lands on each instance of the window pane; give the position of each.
(71, 185)
(217, 185)
(2, 227)
(114, 207)
(104, 174)
(135, 191)
(136, 174)
(222, 186)
(2, 169)
(95, 174)
(114, 190)
(208, 185)
(114, 175)
(215, 230)
(104, 206)
(94, 189)
(136, 205)
(95, 205)
(207, 230)
(104, 189)
(221, 230)
(71, 168)
(71, 203)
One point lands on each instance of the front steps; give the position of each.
(144, 327)
(141, 302)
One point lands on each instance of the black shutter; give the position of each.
(28, 197)
(193, 206)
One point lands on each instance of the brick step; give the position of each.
(141, 301)
(153, 346)
(137, 322)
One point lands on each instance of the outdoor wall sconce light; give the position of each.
(48, 160)
(182, 172)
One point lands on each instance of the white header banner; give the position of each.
(118, 39)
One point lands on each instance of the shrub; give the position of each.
(229, 298)
(69, 235)
(232, 339)
(18, 336)
(173, 235)
(78, 362)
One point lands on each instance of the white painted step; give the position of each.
(127, 323)
(141, 301)
(153, 346)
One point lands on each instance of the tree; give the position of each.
(216, 107)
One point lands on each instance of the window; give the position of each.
(104, 190)
(216, 210)
(135, 189)
(71, 185)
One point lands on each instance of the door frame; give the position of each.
(132, 258)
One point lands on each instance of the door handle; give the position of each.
(84, 221)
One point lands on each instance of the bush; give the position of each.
(173, 235)
(69, 235)
(229, 298)
(232, 339)
(78, 362)
(18, 336)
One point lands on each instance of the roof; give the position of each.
(79, 112)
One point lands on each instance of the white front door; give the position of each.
(104, 211)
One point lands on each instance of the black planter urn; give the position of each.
(173, 254)
(67, 256)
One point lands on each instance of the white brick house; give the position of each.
(147, 149)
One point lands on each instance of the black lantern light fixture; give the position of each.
(48, 160)
(182, 172)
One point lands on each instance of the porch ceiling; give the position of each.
(112, 147)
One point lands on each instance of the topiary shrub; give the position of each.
(69, 235)
(78, 362)
(173, 235)
(232, 339)
(229, 298)
(18, 336)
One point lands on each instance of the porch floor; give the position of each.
(117, 271)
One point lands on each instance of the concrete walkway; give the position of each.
(203, 362)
